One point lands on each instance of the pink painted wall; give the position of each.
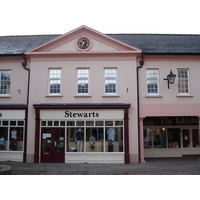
(168, 102)
(19, 81)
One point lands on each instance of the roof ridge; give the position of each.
(30, 35)
(169, 34)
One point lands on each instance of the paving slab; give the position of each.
(154, 166)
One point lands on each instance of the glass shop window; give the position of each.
(155, 138)
(94, 136)
(195, 137)
(174, 137)
(11, 136)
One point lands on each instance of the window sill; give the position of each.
(110, 95)
(153, 96)
(82, 96)
(5, 96)
(59, 95)
(184, 95)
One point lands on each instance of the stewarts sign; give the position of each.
(82, 114)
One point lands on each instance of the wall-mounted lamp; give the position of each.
(170, 78)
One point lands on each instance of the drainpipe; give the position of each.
(141, 62)
(24, 64)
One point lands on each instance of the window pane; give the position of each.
(54, 81)
(16, 139)
(147, 138)
(174, 138)
(75, 139)
(152, 81)
(114, 139)
(110, 76)
(94, 140)
(99, 123)
(5, 82)
(70, 123)
(82, 81)
(3, 138)
(183, 81)
(195, 137)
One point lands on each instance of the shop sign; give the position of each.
(12, 114)
(81, 114)
(69, 114)
(159, 121)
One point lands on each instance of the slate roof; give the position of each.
(148, 43)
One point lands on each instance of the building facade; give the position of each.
(88, 97)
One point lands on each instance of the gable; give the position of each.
(99, 42)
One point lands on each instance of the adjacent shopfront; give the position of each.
(93, 134)
(12, 134)
(171, 136)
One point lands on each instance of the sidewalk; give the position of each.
(153, 166)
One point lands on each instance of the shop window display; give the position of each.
(174, 138)
(195, 137)
(155, 138)
(95, 136)
(11, 136)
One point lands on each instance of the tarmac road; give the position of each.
(154, 166)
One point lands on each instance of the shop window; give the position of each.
(16, 139)
(110, 79)
(155, 138)
(5, 82)
(54, 81)
(11, 137)
(82, 81)
(152, 81)
(183, 81)
(195, 137)
(174, 138)
(4, 138)
(90, 138)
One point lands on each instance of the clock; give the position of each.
(83, 43)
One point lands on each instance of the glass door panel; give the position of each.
(186, 138)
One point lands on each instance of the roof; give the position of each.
(148, 43)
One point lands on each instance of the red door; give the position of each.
(53, 145)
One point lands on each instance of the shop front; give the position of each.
(12, 133)
(82, 134)
(171, 136)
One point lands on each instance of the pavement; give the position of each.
(154, 166)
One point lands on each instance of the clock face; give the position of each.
(83, 43)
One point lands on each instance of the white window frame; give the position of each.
(6, 84)
(151, 79)
(58, 79)
(184, 79)
(109, 79)
(81, 78)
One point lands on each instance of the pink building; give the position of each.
(97, 98)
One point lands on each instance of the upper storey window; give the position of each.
(54, 81)
(110, 78)
(82, 81)
(183, 82)
(5, 83)
(152, 82)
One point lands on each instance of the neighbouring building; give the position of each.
(89, 97)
